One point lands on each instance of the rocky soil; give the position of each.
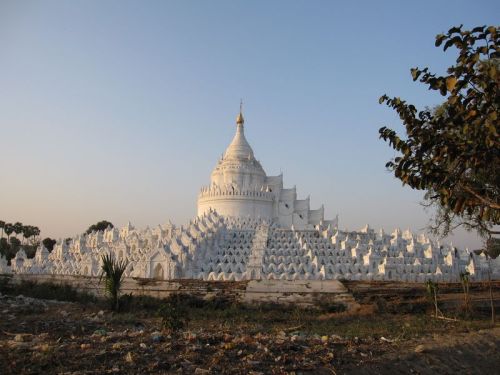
(40, 336)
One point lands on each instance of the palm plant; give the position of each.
(9, 228)
(35, 232)
(112, 272)
(27, 232)
(18, 228)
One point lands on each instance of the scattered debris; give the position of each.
(157, 336)
(386, 340)
(129, 357)
(420, 349)
(18, 338)
(231, 343)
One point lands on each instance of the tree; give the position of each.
(18, 228)
(30, 234)
(453, 152)
(465, 280)
(49, 243)
(2, 226)
(4, 247)
(487, 253)
(27, 232)
(100, 226)
(15, 246)
(35, 232)
(9, 229)
(432, 291)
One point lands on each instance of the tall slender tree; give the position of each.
(18, 228)
(35, 232)
(26, 233)
(9, 228)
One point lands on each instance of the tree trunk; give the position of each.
(491, 293)
(117, 302)
(435, 304)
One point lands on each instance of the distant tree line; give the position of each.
(17, 236)
(99, 226)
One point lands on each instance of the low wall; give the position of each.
(407, 297)
(398, 296)
(300, 292)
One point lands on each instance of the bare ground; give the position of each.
(38, 336)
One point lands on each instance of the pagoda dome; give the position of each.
(238, 166)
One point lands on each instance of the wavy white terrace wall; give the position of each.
(213, 247)
(225, 242)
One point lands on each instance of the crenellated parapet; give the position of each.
(218, 192)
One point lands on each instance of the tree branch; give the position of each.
(486, 201)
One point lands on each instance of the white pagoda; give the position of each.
(249, 227)
(239, 187)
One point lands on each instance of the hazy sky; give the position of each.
(119, 110)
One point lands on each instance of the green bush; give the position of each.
(173, 317)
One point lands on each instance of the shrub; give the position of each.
(112, 272)
(173, 317)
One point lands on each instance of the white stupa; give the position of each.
(239, 187)
(249, 227)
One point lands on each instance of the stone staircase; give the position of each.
(254, 265)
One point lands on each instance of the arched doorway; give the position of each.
(158, 272)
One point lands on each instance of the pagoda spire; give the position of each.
(240, 120)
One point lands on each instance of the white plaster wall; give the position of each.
(245, 178)
(237, 206)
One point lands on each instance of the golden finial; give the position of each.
(240, 119)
